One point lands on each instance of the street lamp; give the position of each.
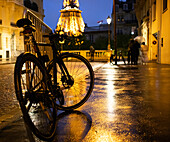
(108, 22)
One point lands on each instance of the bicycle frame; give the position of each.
(57, 58)
(61, 84)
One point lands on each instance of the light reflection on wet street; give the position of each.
(128, 103)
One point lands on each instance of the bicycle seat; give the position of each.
(27, 25)
(23, 22)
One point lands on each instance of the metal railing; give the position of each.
(41, 29)
(99, 55)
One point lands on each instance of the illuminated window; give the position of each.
(164, 5)
(122, 19)
(118, 19)
(0, 42)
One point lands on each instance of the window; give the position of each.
(164, 5)
(118, 19)
(162, 42)
(7, 54)
(91, 38)
(117, 7)
(34, 7)
(125, 6)
(119, 31)
(27, 3)
(154, 10)
(13, 24)
(133, 6)
(0, 42)
(122, 18)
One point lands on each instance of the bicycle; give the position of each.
(43, 86)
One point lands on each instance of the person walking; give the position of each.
(130, 46)
(131, 52)
(144, 50)
(136, 51)
(92, 50)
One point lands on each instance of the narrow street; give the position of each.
(128, 103)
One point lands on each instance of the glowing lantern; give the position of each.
(70, 20)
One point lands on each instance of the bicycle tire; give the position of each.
(82, 73)
(38, 109)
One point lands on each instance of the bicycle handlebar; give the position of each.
(56, 36)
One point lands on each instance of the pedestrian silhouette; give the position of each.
(130, 46)
(131, 52)
(92, 50)
(136, 48)
(144, 50)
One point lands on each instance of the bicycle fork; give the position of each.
(66, 78)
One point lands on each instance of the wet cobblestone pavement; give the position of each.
(132, 103)
(8, 100)
(128, 103)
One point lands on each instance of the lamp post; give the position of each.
(114, 15)
(108, 22)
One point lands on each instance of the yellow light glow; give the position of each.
(66, 3)
(71, 21)
(111, 91)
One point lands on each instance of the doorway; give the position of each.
(7, 54)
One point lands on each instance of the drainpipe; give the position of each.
(160, 35)
(115, 35)
(150, 29)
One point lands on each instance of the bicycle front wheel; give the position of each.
(82, 77)
(38, 109)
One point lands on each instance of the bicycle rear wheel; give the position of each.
(82, 83)
(37, 107)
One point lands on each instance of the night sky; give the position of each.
(92, 11)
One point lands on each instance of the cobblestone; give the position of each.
(128, 103)
(8, 99)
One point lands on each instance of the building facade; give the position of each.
(126, 22)
(94, 32)
(154, 20)
(11, 43)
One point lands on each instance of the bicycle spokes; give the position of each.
(36, 102)
(75, 80)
